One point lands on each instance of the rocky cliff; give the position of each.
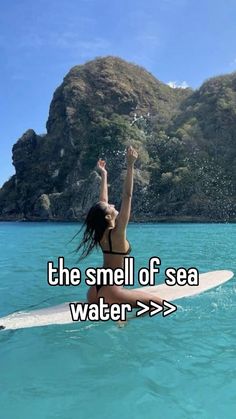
(101, 107)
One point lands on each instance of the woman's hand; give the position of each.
(131, 155)
(101, 166)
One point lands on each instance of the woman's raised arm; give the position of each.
(103, 196)
(124, 214)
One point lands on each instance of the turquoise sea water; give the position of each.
(181, 366)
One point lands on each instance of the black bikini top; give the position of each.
(110, 247)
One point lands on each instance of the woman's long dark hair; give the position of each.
(95, 225)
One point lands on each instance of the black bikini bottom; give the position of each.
(98, 287)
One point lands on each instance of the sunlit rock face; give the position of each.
(100, 108)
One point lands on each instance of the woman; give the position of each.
(107, 227)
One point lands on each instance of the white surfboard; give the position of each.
(60, 314)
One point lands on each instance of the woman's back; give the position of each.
(115, 248)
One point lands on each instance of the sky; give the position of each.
(181, 42)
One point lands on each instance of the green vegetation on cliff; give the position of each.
(186, 142)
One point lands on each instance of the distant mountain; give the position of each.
(186, 141)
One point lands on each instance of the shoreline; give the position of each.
(160, 219)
